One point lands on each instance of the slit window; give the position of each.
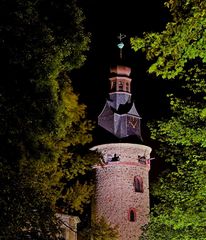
(132, 215)
(138, 184)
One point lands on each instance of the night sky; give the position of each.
(105, 20)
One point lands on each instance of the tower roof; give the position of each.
(119, 115)
(120, 70)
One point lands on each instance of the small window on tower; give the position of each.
(132, 215)
(120, 86)
(138, 184)
(127, 87)
(113, 87)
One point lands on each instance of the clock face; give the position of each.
(132, 121)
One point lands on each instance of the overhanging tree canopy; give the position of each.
(178, 54)
(42, 123)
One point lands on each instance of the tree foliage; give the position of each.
(43, 126)
(178, 54)
(100, 230)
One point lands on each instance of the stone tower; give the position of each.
(122, 180)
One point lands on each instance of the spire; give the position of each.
(120, 45)
(119, 115)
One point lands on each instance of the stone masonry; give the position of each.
(116, 198)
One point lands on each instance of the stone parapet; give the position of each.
(128, 153)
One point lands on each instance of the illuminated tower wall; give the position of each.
(122, 189)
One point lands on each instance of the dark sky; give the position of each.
(105, 20)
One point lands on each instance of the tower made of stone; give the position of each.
(122, 180)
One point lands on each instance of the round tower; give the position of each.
(122, 187)
(122, 179)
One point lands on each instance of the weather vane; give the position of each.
(121, 44)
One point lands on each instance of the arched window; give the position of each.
(138, 184)
(132, 215)
(120, 86)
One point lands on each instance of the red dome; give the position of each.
(121, 70)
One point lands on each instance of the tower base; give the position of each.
(122, 187)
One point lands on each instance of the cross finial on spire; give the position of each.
(121, 44)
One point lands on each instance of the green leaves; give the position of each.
(178, 53)
(78, 196)
(100, 230)
(182, 41)
(42, 121)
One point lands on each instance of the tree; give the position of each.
(43, 126)
(100, 230)
(177, 54)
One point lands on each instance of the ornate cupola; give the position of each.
(119, 115)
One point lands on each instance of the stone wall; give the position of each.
(68, 226)
(115, 192)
